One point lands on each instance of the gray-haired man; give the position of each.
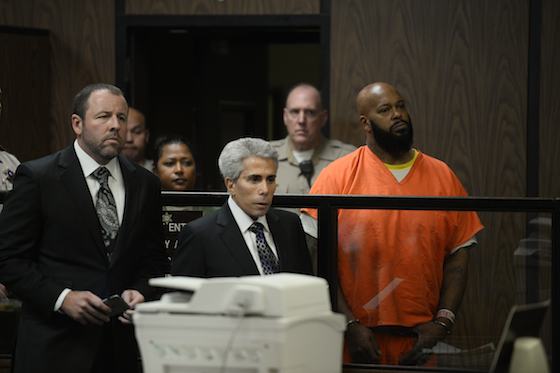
(245, 237)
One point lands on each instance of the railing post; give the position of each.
(327, 248)
(554, 288)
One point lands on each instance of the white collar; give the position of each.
(89, 165)
(303, 155)
(243, 220)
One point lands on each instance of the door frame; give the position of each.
(322, 21)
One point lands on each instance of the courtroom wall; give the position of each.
(82, 38)
(550, 101)
(213, 7)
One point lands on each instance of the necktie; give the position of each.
(268, 259)
(306, 168)
(106, 208)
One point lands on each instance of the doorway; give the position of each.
(216, 84)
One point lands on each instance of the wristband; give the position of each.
(446, 314)
(352, 322)
(444, 325)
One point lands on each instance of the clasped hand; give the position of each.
(87, 308)
(362, 345)
(428, 335)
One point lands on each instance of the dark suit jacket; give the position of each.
(50, 239)
(213, 246)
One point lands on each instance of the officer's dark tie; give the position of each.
(106, 208)
(306, 168)
(268, 259)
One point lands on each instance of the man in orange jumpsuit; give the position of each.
(402, 273)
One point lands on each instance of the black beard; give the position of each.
(390, 142)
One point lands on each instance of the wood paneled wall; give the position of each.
(25, 83)
(214, 7)
(550, 101)
(82, 50)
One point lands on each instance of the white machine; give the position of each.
(279, 323)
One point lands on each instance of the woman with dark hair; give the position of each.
(174, 163)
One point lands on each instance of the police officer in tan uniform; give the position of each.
(305, 151)
(8, 164)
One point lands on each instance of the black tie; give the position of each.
(268, 259)
(306, 168)
(106, 208)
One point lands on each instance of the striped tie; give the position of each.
(106, 208)
(268, 259)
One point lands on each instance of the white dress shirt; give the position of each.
(244, 222)
(116, 184)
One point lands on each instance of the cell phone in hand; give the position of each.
(117, 305)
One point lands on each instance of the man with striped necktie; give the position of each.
(81, 225)
(245, 237)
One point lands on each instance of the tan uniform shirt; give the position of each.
(289, 177)
(8, 166)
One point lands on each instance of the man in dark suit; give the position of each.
(80, 225)
(245, 237)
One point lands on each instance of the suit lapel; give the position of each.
(233, 240)
(73, 181)
(278, 235)
(131, 205)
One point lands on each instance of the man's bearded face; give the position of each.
(397, 140)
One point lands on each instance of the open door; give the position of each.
(216, 84)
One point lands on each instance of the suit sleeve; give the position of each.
(154, 261)
(21, 226)
(303, 251)
(294, 254)
(189, 257)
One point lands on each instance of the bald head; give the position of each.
(386, 121)
(304, 117)
(369, 97)
(307, 90)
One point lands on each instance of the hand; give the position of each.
(428, 335)
(132, 297)
(85, 308)
(361, 344)
(3, 292)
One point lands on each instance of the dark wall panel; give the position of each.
(25, 83)
(82, 50)
(550, 101)
(213, 7)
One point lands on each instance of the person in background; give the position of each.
(245, 236)
(174, 163)
(81, 225)
(305, 151)
(137, 137)
(8, 164)
(402, 273)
